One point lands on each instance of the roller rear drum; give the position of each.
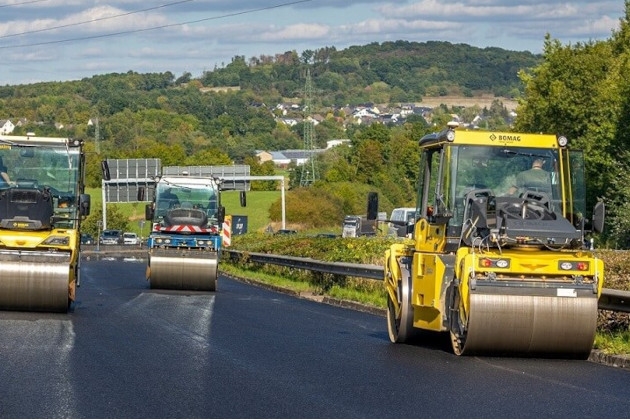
(183, 270)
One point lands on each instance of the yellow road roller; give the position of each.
(42, 203)
(499, 256)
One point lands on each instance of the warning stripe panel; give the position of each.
(187, 229)
(227, 231)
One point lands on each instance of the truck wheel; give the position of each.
(400, 322)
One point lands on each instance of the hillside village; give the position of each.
(365, 114)
(291, 114)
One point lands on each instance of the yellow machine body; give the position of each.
(503, 272)
(40, 214)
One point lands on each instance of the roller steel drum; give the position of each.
(33, 281)
(564, 323)
(183, 269)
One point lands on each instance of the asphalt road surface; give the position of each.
(246, 352)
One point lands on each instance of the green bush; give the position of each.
(326, 205)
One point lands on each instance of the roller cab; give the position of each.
(502, 266)
(186, 216)
(41, 208)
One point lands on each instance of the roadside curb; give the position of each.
(620, 361)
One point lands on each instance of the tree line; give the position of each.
(576, 90)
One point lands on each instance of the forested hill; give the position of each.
(224, 115)
(409, 70)
(398, 71)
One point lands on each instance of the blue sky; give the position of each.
(59, 40)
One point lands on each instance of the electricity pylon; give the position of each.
(309, 168)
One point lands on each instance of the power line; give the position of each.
(133, 31)
(21, 4)
(94, 20)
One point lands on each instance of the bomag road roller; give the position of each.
(500, 257)
(186, 216)
(41, 207)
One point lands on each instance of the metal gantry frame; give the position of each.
(147, 181)
(266, 178)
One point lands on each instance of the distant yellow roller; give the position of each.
(41, 210)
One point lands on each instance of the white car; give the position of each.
(130, 238)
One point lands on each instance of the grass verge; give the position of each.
(295, 285)
(364, 291)
(613, 342)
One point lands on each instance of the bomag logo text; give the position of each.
(20, 225)
(503, 137)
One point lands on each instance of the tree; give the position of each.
(261, 169)
(115, 220)
(583, 92)
(575, 92)
(208, 157)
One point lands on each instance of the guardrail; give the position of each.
(611, 299)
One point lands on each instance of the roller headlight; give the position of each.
(57, 240)
(562, 141)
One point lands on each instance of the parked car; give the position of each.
(130, 238)
(111, 237)
(87, 239)
(285, 232)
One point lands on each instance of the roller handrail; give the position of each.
(610, 299)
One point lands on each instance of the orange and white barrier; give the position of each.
(226, 232)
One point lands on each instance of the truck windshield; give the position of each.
(188, 196)
(45, 168)
(505, 171)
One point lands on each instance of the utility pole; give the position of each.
(308, 174)
(97, 134)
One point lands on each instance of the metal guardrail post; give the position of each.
(374, 272)
(614, 300)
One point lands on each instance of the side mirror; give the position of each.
(105, 170)
(140, 196)
(221, 216)
(84, 204)
(599, 213)
(243, 198)
(372, 208)
(148, 212)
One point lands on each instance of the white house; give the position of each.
(279, 159)
(6, 127)
(336, 142)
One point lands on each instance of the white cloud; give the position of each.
(117, 36)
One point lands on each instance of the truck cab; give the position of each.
(186, 219)
(402, 220)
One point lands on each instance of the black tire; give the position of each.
(400, 325)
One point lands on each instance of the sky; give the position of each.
(62, 40)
